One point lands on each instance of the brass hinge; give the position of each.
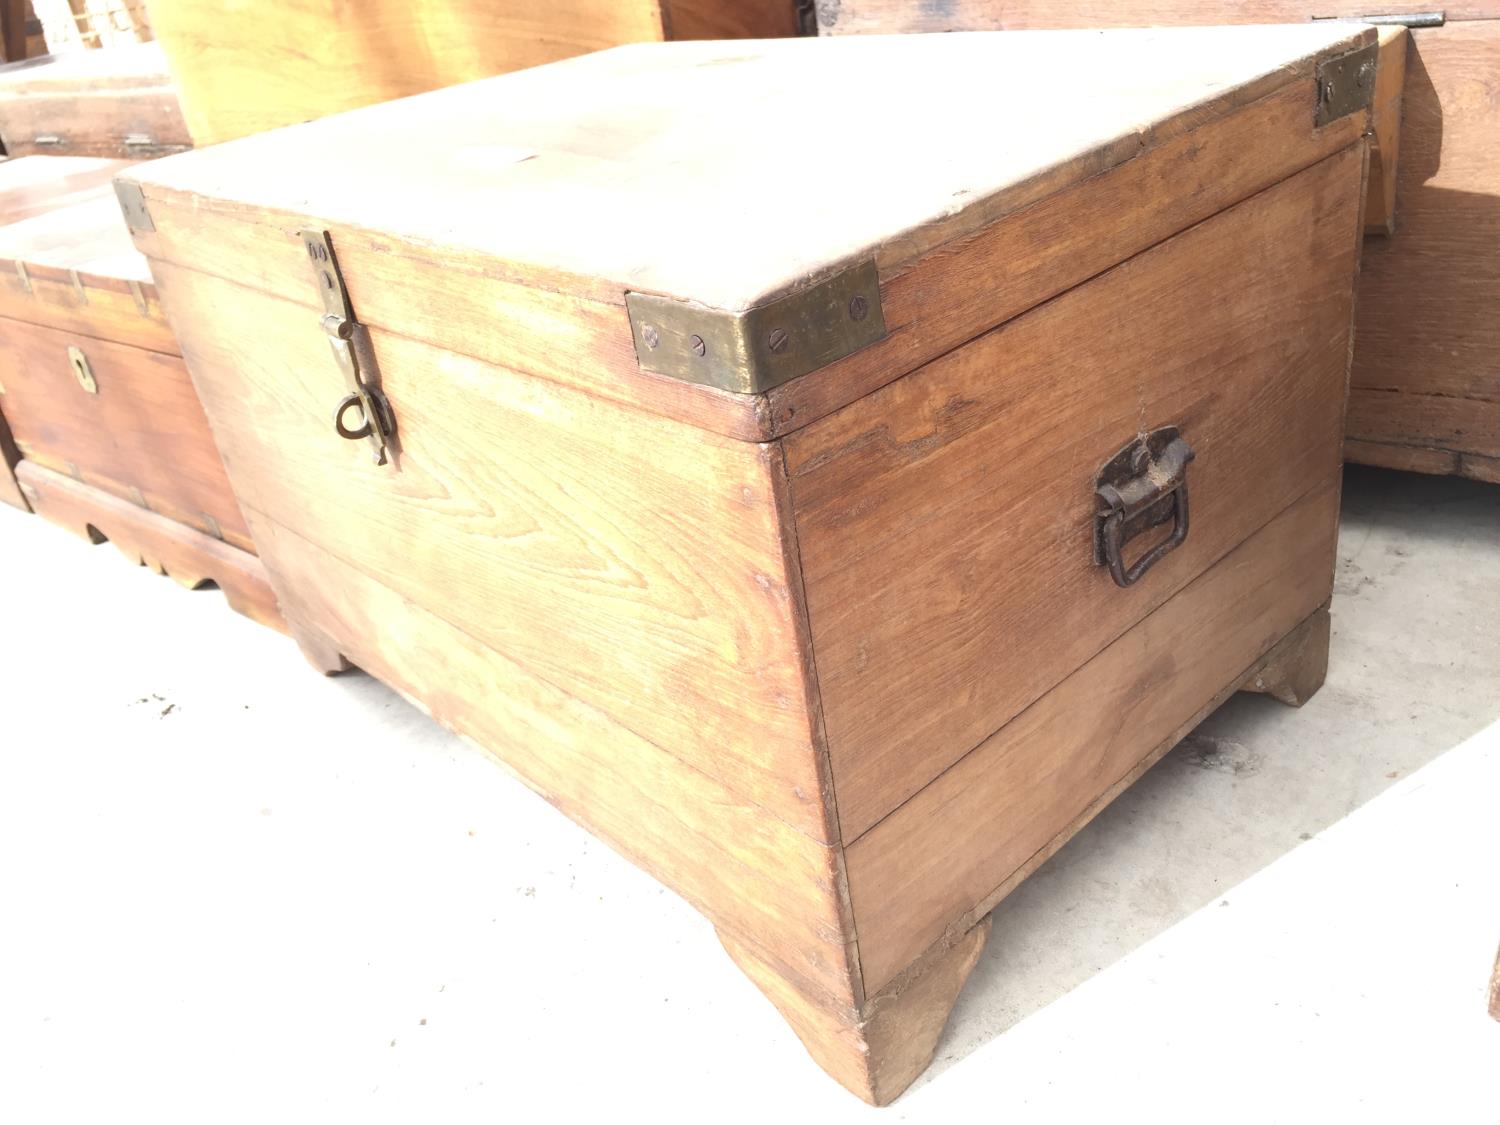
(48, 140)
(133, 204)
(1346, 84)
(376, 423)
(1408, 19)
(752, 351)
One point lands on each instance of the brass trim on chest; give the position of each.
(753, 351)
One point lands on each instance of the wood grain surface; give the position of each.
(772, 886)
(34, 185)
(144, 429)
(1385, 130)
(242, 69)
(631, 561)
(1428, 339)
(945, 854)
(945, 523)
(167, 546)
(848, 17)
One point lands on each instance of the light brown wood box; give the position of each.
(114, 102)
(100, 429)
(1425, 392)
(245, 68)
(741, 494)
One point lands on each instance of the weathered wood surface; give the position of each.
(946, 522)
(553, 284)
(751, 873)
(964, 842)
(883, 17)
(144, 430)
(167, 546)
(1427, 358)
(880, 1050)
(243, 69)
(1385, 130)
(82, 275)
(116, 102)
(34, 185)
(631, 561)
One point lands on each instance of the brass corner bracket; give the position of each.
(752, 351)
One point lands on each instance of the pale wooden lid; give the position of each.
(729, 173)
(89, 236)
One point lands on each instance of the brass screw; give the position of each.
(859, 308)
(650, 335)
(697, 346)
(778, 340)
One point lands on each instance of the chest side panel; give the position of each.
(966, 840)
(141, 429)
(946, 523)
(1428, 335)
(136, 123)
(630, 561)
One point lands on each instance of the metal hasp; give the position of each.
(1346, 84)
(1396, 19)
(752, 351)
(1141, 487)
(372, 419)
(82, 371)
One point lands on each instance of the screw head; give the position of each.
(697, 346)
(778, 340)
(650, 335)
(859, 307)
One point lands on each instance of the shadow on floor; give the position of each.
(1414, 670)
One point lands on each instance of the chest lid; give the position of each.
(734, 215)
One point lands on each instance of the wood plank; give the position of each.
(1175, 175)
(744, 19)
(1427, 323)
(951, 852)
(243, 69)
(34, 185)
(1459, 425)
(168, 547)
(144, 429)
(633, 562)
(753, 875)
(947, 521)
(1385, 131)
(884, 17)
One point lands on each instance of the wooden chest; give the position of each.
(1425, 386)
(245, 68)
(118, 101)
(803, 505)
(102, 429)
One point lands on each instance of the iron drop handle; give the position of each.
(1142, 486)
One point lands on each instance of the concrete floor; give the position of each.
(233, 891)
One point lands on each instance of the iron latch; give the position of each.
(1142, 486)
(374, 421)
